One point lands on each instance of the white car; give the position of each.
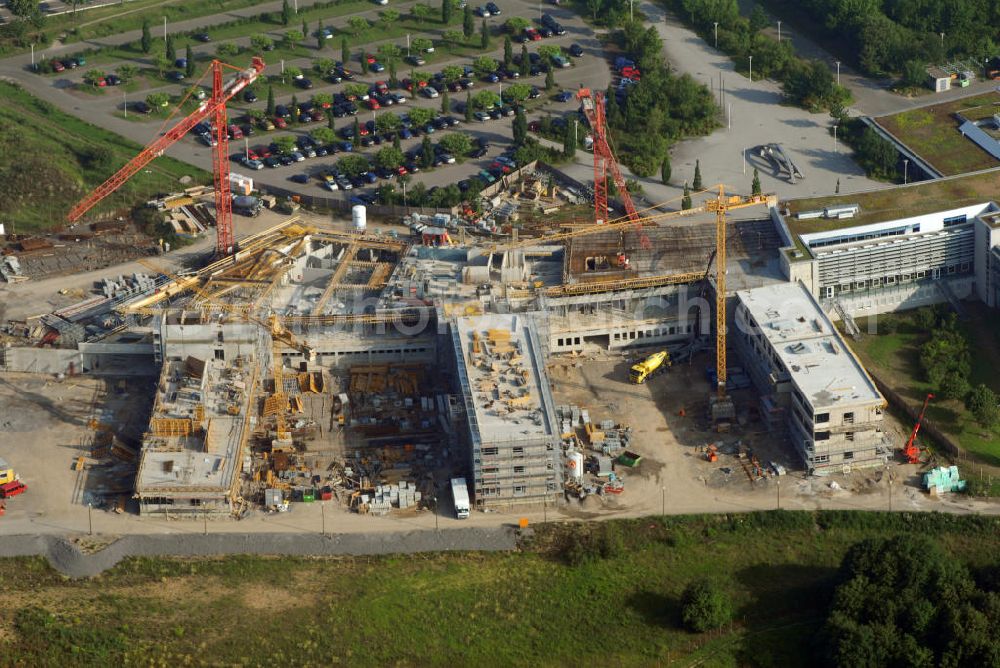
(429, 91)
(297, 157)
(332, 185)
(381, 2)
(448, 158)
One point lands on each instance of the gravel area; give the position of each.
(67, 558)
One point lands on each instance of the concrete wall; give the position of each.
(987, 238)
(43, 360)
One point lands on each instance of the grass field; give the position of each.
(932, 133)
(49, 160)
(893, 203)
(619, 607)
(895, 357)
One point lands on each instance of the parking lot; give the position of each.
(322, 94)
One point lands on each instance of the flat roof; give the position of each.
(185, 450)
(809, 347)
(506, 375)
(893, 203)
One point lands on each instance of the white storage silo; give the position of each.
(574, 465)
(359, 216)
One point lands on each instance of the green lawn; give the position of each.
(524, 608)
(49, 160)
(895, 357)
(932, 133)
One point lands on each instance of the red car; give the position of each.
(381, 87)
(401, 170)
(370, 58)
(12, 488)
(261, 152)
(325, 105)
(317, 115)
(252, 155)
(280, 123)
(58, 67)
(373, 104)
(532, 34)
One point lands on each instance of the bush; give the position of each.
(704, 606)
(982, 403)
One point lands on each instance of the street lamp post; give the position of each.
(751, 69)
(716, 23)
(33, 57)
(125, 103)
(779, 32)
(164, 28)
(942, 40)
(906, 166)
(779, 493)
(90, 517)
(630, 11)
(663, 495)
(835, 137)
(744, 162)
(838, 72)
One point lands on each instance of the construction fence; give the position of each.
(913, 412)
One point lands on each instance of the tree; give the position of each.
(704, 606)
(358, 25)
(484, 65)
(468, 23)
(128, 72)
(595, 8)
(421, 12)
(364, 64)
(355, 89)
(270, 100)
(286, 13)
(157, 100)
(171, 50)
(146, 42)
(320, 99)
(456, 143)
(292, 37)
(755, 185)
(389, 53)
(453, 36)
(983, 404)
(904, 601)
(345, 51)
(426, 152)
(508, 53)
(550, 79)
(388, 17)
(320, 39)
(388, 122)
(484, 36)
(323, 66)
(445, 103)
(422, 44)
(261, 43)
(323, 135)
(389, 157)
(517, 93)
(331, 121)
(515, 25)
(686, 200)
(421, 115)
(452, 73)
(758, 19)
(293, 72)
(468, 108)
(227, 49)
(189, 57)
(356, 129)
(294, 108)
(485, 99)
(697, 184)
(162, 64)
(665, 170)
(94, 77)
(447, 7)
(525, 65)
(548, 51)
(569, 140)
(519, 127)
(353, 165)
(395, 140)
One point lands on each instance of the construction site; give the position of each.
(578, 366)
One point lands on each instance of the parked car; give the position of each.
(113, 80)
(280, 123)
(304, 84)
(176, 76)
(575, 50)
(415, 59)
(483, 12)
(493, 9)
(481, 116)
(377, 67)
(564, 96)
(249, 96)
(281, 111)
(142, 108)
(299, 178)
(479, 152)
(202, 37)
(429, 91)
(561, 61)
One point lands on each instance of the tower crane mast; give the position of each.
(604, 161)
(214, 108)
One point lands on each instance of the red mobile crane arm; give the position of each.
(215, 107)
(911, 451)
(604, 160)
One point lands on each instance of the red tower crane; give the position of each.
(911, 451)
(214, 108)
(604, 161)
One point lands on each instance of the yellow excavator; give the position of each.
(646, 368)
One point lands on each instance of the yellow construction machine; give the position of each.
(646, 368)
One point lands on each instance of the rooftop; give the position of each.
(197, 429)
(894, 203)
(505, 371)
(809, 347)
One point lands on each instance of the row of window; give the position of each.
(875, 283)
(865, 236)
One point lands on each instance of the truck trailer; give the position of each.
(461, 495)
